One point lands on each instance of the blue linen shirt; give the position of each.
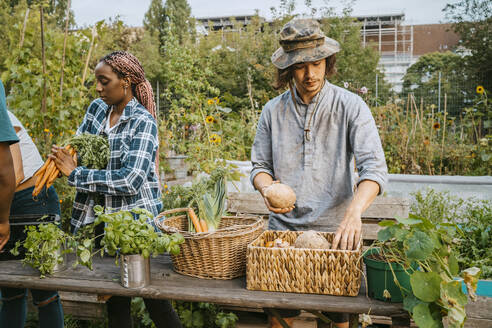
(130, 179)
(320, 170)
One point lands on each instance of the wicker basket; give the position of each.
(212, 255)
(302, 270)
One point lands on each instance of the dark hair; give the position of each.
(124, 64)
(284, 76)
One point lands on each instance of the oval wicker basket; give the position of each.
(220, 254)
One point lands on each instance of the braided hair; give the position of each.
(124, 64)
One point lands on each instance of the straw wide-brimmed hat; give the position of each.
(301, 40)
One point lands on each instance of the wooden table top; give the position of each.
(167, 284)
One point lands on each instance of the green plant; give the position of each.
(204, 315)
(475, 244)
(44, 247)
(211, 207)
(434, 293)
(193, 196)
(125, 234)
(473, 216)
(92, 150)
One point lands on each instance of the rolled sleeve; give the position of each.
(367, 148)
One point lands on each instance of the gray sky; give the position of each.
(132, 12)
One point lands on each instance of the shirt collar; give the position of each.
(127, 111)
(299, 99)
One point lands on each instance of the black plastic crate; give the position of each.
(17, 225)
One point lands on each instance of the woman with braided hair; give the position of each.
(125, 113)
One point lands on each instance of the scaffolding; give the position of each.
(394, 42)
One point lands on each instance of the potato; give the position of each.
(280, 195)
(313, 240)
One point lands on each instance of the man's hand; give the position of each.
(63, 160)
(348, 233)
(270, 207)
(4, 234)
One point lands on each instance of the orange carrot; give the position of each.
(42, 181)
(194, 219)
(203, 225)
(43, 168)
(52, 178)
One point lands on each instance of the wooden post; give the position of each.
(94, 33)
(24, 28)
(43, 60)
(64, 48)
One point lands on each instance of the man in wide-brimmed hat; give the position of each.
(308, 138)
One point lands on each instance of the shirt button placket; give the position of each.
(308, 143)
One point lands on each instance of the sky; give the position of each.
(132, 12)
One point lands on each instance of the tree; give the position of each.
(472, 20)
(154, 20)
(422, 79)
(172, 18)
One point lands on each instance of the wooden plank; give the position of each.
(480, 309)
(166, 284)
(478, 323)
(84, 310)
(381, 208)
(80, 297)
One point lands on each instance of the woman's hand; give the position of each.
(63, 160)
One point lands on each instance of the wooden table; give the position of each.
(167, 284)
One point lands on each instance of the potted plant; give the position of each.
(45, 248)
(132, 240)
(426, 253)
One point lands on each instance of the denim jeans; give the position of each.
(14, 304)
(14, 308)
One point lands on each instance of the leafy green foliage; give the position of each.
(124, 234)
(423, 243)
(423, 316)
(425, 141)
(92, 150)
(422, 79)
(473, 240)
(425, 285)
(44, 246)
(179, 196)
(472, 20)
(204, 315)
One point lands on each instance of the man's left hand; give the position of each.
(348, 233)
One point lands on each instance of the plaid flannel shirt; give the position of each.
(130, 179)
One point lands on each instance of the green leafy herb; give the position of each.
(126, 235)
(44, 246)
(92, 150)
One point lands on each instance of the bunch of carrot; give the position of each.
(199, 224)
(47, 174)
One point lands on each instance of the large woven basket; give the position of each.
(212, 255)
(302, 270)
